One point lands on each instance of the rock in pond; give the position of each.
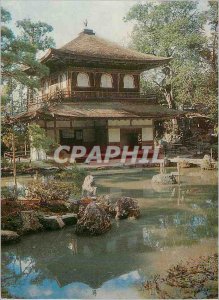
(94, 221)
(83, 203)
(52, 222)
(108, 204)
(69, 219)
(8, 236)
(127, 207)
(208, 163)
(30, 221)
(164, 179)
(185, 164)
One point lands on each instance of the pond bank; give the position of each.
(190, 279)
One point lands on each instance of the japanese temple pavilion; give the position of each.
(92, 95)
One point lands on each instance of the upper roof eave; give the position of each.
(72, 54)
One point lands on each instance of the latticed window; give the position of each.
(83, 80)
(128, 82)
(106, 81)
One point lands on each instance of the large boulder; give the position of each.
(164, 179)
(83, 203)
(52, 222)
(108, 203)
(127, 207)
(185, 164)
(69, 219)
(8, 236)
(207, 163)
(30, 221)
(94, 221)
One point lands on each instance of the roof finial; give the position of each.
(85, 23)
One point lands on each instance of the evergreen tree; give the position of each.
(19, 53)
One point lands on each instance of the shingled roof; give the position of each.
(102, 110)
(88, 46)
(94, 46)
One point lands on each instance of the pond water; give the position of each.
(177, 223)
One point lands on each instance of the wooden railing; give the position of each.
(67, 96)
(18, 155)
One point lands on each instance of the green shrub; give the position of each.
(75, 176)
(7, 193)
(22, 166)
(6, 163)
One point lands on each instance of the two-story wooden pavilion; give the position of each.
(92, 95)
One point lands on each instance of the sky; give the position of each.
(67, 17)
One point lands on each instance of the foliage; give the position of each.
(38, 138)
(20, 135)
(19, 53)
(36, 33)
(48, 190)
(177, 29)
(10, 212)
(171, 29)
(5, 163)
(7, 194)
(76, 176)
(187, 280)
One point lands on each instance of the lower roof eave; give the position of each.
(57, 117)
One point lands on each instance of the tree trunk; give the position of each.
(168, 94)
(169, 97)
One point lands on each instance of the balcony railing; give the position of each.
(72, 96)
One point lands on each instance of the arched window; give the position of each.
(63, 81)
(83, 80)
(128, 82)
(106, 81)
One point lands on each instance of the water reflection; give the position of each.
(61, 265)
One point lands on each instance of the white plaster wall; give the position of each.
(118, 122)
(147, 134)
(114, 135)
(142, 122)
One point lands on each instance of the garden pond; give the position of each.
(177, 223)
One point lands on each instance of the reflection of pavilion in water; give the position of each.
(91, 261)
